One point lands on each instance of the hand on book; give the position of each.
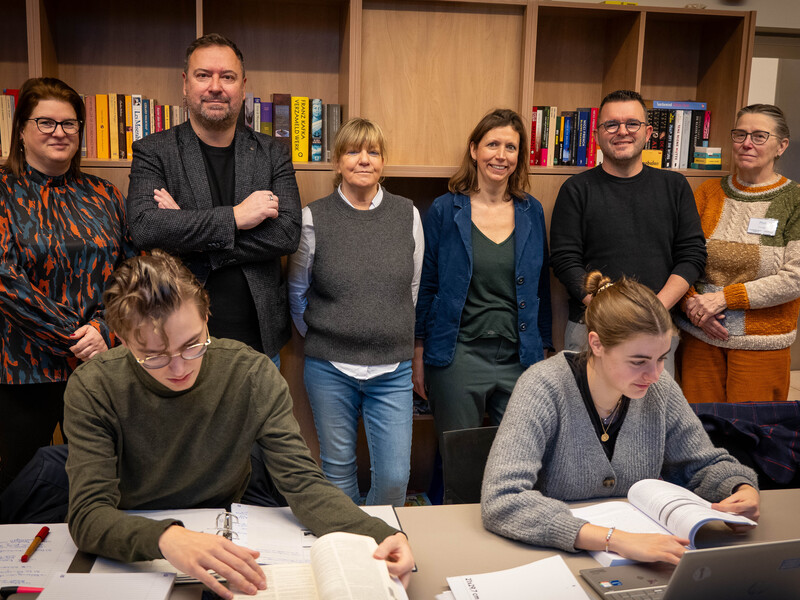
(396, 551)
(196, 553)
(648, 547)
(744, 501)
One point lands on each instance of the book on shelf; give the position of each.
(552, 116)
(583, 137)
(137, 119)
(566, 154)
(300, 129)
(331, 122)
(544, 140)
(677, 140)
(591, 141)
(90, 127)
(103, 144)
(158, 118)
(266, 118)
(533, 148)
(113, 127)
(316, 130)
(247, 109)
(655, 506)
(651, 158)
(6, 123)
(680, 104)
(282, 119)
(257, 113)
(128, 125)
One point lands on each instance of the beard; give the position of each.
(213, 119)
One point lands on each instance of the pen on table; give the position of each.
(7, 590)
(35, 543)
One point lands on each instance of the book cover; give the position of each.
(652, 158)
(90, 127)
(695, 132)
(103, 138)
(282, 119)
(316, 130)
(113, 127)
(591, 141)
(534, 148)
(300, 129)
(174, 115)
(266, 118)
(145, 117)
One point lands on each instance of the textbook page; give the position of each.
(53, 556)
(680, 511)
(546, 578)
(342, 568)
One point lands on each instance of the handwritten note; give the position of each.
(53, 556)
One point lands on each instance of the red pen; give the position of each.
(35, 543)
(6, 591)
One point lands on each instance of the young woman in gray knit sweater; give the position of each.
(590, 425)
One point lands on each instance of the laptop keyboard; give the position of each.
(656, 593)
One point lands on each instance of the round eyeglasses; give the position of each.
(757, 137)
(47, 125)
(631, 125)
(159, 361)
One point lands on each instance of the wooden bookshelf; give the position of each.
(425, 70)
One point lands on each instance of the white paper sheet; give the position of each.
(88, 586)
(54, 554)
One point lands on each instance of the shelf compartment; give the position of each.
(13, 45)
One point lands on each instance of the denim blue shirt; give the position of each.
(447, 270)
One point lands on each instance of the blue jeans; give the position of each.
(385, 403)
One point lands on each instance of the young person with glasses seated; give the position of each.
(625, 218)
(168, 421)
(741, 316)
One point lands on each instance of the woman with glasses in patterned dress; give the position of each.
(62, 232)
(741, 316)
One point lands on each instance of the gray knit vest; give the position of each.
(360, 309)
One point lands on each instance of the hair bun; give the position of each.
(596, 282)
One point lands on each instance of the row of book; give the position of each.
(305, 125)
(115, 121)
(567, 139)
(678, 129)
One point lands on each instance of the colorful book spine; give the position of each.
(167, 112)
(122, 127)
(551, 135)
(566, 154)
(316, 130)
(90, 127)
(128, 125)
(666, 160)
(544, 150)
(675, 105)
(103, 137)
(136, 120)
(677, 140)
(559, 140)
(591, 141)
(331, 122)
(282, 119)
(583, 136)
(257, 114)
(158, 118)
(532, 160)
(300, 129)
(248, 109)
(145, 117)
(266, 118)
(113, 127)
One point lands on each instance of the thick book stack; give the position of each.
(566, 139)
(115, 121)
(707, 158)
(678, 129)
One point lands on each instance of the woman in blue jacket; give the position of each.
(483, 313)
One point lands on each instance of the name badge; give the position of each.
(762, 226)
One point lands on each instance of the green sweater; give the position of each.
(135, 444)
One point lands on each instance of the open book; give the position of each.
(655, 507)
(342, 568)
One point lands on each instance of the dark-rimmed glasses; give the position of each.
(47, 125)
(631, 125)
(159, 361)
(757, 137)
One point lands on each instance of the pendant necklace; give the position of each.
(605, 422)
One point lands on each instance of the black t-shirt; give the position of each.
(578, 365)
(233, 312)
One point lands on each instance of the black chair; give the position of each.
(464, 455)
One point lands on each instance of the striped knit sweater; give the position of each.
(759, 274)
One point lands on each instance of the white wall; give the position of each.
(779, 14)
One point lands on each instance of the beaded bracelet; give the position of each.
(608, 536)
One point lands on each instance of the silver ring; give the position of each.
(271, 197)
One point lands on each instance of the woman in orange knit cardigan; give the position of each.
(741, 317)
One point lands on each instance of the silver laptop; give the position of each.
(765, 571)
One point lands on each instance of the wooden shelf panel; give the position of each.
(13, 45)
(288, 47)
(430, 71)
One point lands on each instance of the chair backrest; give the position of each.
(463, 460)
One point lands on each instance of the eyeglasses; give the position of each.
(159, 361)
(46, 125)
(757, 137)
(631, 125)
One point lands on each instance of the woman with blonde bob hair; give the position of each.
(352, 288)
(590, 425)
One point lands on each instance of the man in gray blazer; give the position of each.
(222, 197)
